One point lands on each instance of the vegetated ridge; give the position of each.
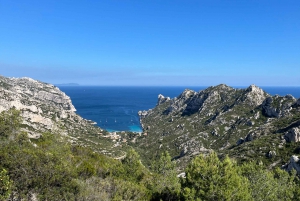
(247, 124)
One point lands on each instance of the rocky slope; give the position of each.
(45, 108)
(244, 123)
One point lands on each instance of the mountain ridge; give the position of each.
(219, 118)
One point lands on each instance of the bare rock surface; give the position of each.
(43, 106)
(293, 135)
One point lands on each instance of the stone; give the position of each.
(271, 154)
(183, 152)
(215, 133)
(249, 137)
(293, 135)
(292, 164)
(181, 175)
(250, 123)
(240, 141)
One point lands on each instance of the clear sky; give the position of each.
(152, 42)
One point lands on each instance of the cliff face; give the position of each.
(219, 118)
(45, 108)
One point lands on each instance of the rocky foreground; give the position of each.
(247, 124)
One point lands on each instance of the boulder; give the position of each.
(249, 137)
(293, 135)
(292, 164)
(240, 141)
(271, 154)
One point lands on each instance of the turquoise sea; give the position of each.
(115, 108)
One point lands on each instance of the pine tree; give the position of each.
(208, 178)
(165, 181)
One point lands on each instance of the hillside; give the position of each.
(48, 152)
(247, 124)
(44, 108)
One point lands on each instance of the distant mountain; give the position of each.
(67, 84)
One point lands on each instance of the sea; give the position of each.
(115, 108)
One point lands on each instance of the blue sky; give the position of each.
(152, 42)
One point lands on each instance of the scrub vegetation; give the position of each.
(51, 168)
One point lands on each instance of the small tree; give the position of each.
(5, 185)
(134, 169)
(165, 181)
(10, 122)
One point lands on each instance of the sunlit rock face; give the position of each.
(43, 106)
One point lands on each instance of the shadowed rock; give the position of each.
(267, 108)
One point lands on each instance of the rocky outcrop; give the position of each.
(292, 164)
(293, 135)
(297, 104)
(254, 95)
(267, 108)
(162, 99)
(43, 106)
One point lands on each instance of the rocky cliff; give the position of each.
(45, 108)
(243, 123)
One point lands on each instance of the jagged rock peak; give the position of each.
(223, 87)
(253, 87)
(255, 95)
(162, 99)
(187, 93)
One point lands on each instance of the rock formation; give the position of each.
(292, 164)
(45, 108)
(42, 105)
(293, 135)
(221, 118)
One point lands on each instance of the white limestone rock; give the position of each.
(255, 95)
(162, 99)
(43, 106)
(293, 135)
